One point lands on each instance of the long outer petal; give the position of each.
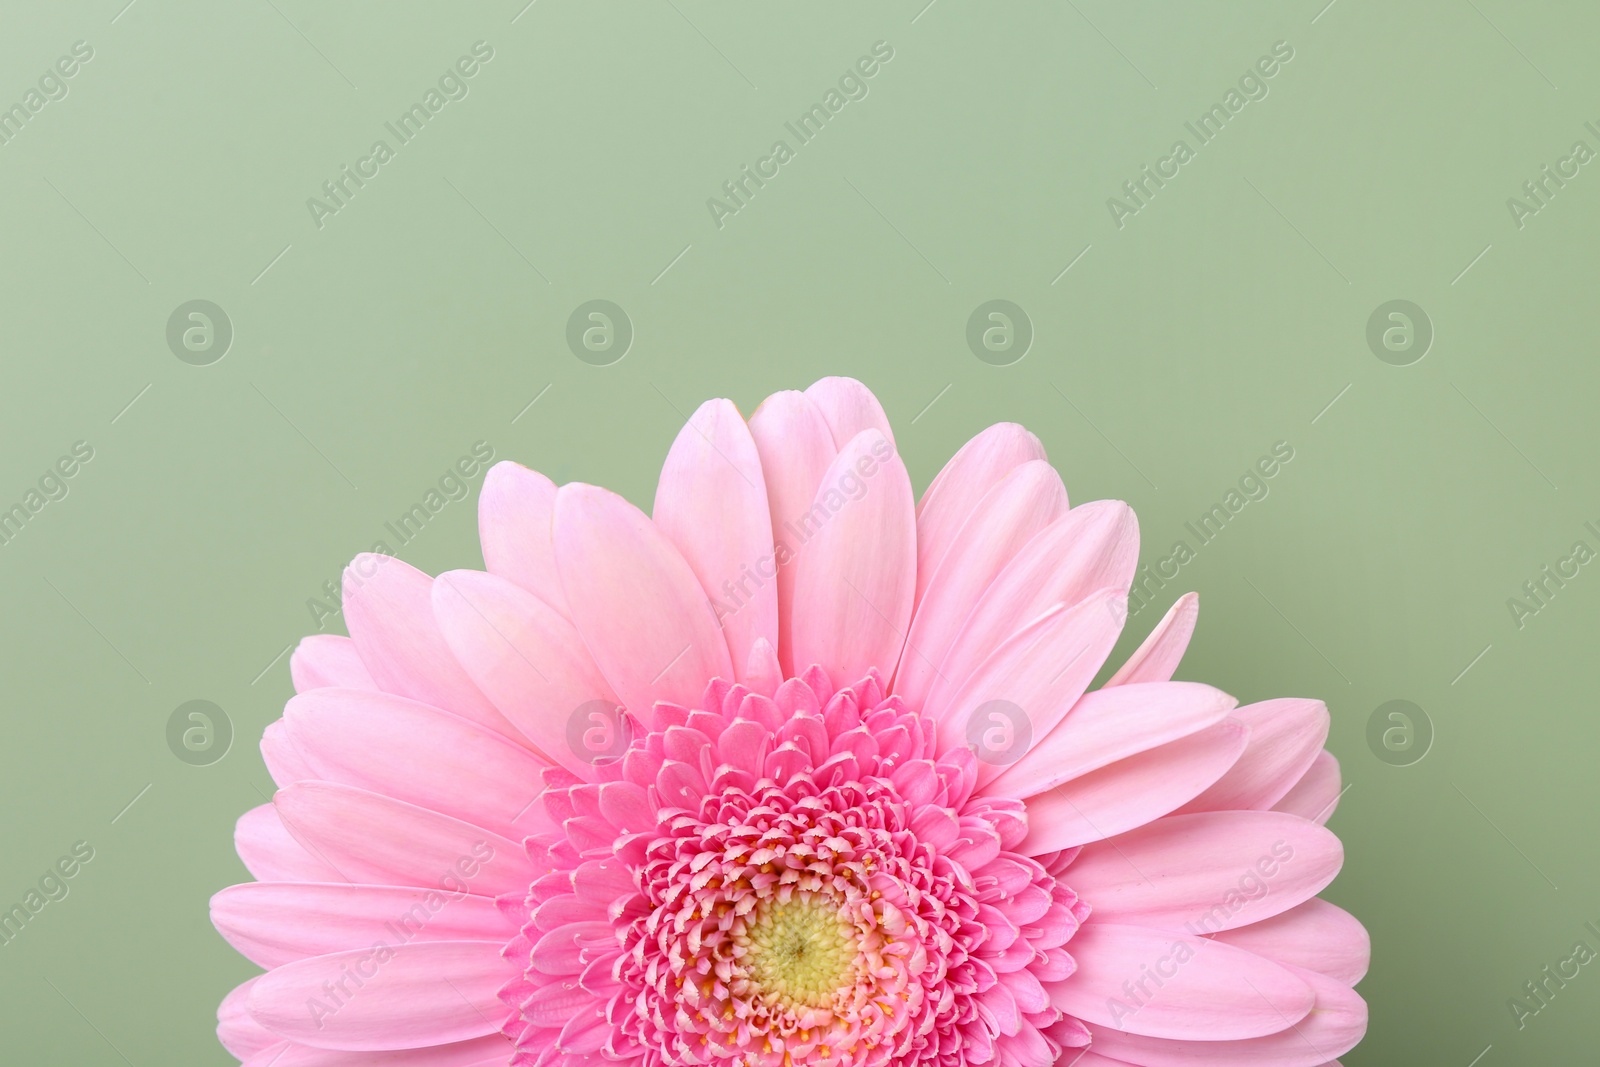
(849, 408)
(273, 923)
(388, 605)
(857, 575)
(1285, 737)
(1024, 502)
(1094, 546)
(412, 752)
(638, 605)
(1107, 725)
(526, 657)
(1316, 794)
(1316, 935)
(284, 761)
(1204, 873)
(711, 503)
(326, 660)
(238, 1030)
(398, 1005)
(514, 513)
(796, 446)
(1038, 675)
(1331, 1029)
(271, 854)
(1157, 657)
(1207, 990)
(1131, 792)
(955, 491)
(377, 840)
(491, 1050)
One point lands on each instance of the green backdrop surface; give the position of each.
(1219, 306)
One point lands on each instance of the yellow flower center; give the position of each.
(800, 952)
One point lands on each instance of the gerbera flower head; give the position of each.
(794, 771)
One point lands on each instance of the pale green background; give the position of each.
(1221, 319)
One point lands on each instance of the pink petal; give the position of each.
(1317, 792)
(1156, 983)
(493, 1050)
(566, 949)
(412, 752)
(1109, 725)
(762, 672)
(1285, 737)
(525, 656)
(641, 612)
(554, 1008)
(388, 606)
(377, 840)
(1331, 1029)
(627, 807)
(1208, 872)
(857, 572)
(1042, 670)
(796, 448)
(956, 490)
(1317, 936)
(849, 408)
(239, 1033)
(284, 761)
(1157, 657)
(1133, 791)
(270, 854)
(273, 923)
(1024, 502)
(1094, 546)
(712, 504)
(585, 1032)
(328, 659)
(428, 993)
(514, 513)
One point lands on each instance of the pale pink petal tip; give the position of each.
(1157, 657)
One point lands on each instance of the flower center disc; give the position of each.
(798, 953)
(820, 889)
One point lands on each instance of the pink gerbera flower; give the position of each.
(794, 772)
